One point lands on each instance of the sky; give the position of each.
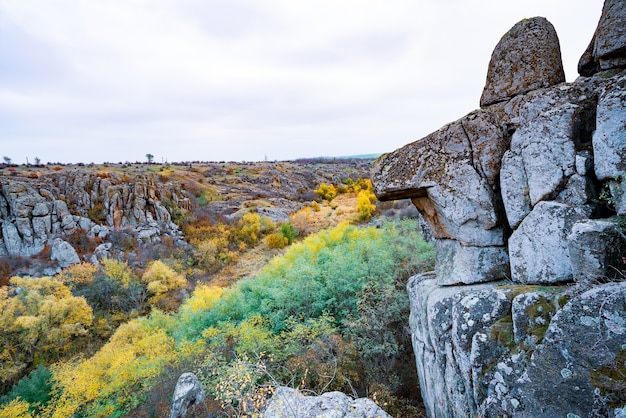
(234, 80)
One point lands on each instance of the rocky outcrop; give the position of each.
(35, 213)
(606, 50)
(188, 394)
(524, 314)
(288, 402)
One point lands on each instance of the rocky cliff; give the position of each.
(48, 210)
(525, 314)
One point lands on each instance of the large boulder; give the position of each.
(288, 402)
(188, 394)
(528, 57)
(63, 253)
(609, 139)
(607, 49)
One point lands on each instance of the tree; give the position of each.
(150, 157)
(38, 317)
(7, 159)
(37, 160)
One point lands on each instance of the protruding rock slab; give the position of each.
(607, 49)
(503, 349)
(528, 57)
(538, 249)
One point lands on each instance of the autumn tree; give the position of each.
(39, 317)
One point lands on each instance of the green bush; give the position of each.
(34, 388)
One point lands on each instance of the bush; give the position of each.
(288, 232)
(326, 191)
(34, 388)
(275, 241)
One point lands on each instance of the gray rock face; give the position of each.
(63, 253)
(528, 57)
(33, 212)
(187, 394)
(524, 314)
(609, 139)
(607, 49)
(512, 350)
(538, 249)
(288, 402)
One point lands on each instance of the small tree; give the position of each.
(150, 157)
(37, 160)
(7, 159)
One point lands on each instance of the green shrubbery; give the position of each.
(328, 315)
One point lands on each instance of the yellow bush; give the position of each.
(79, 273)
(275, 241)
(118, 270)
(160, 279)
(316, 206)
(15, 409)
(326, 191)
(365, 204)
(203, 299)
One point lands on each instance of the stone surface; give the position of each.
(528, 57)
(457, 263)
(516, 350)
(597, 250)
(607, 49)
(34, 212)
(63, 253)
(609, 139)
(551, 341)
(538, 249)
(187, 394)
(288, 402)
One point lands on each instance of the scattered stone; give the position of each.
(288, 402)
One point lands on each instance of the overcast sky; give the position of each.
(112, 80)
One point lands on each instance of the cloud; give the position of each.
(235, 80)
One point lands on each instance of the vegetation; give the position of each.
(327, 313)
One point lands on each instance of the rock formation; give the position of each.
(187, 395)
(525, 314)
(35, 213)
(288, 402)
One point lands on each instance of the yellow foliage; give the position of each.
(250, 228)
(326, 191)
(160, 279)
(365, 204)
(204, 297)
(15, 409)
(79, 273)
(118, 270)
(276, 241)
(316, 206)
(137, 351)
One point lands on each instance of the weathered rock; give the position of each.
(538, 249)
(541, 160)
(187, 394)
(460, 264)
(288, 402)
(485, 350)
(609, 139)
(528, 57)
(597, 249)
(63, 253)
(607, 49)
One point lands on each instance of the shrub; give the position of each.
(288, 232)
(365, 204)
(34, 388)
(326, 191)
(276, 241)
